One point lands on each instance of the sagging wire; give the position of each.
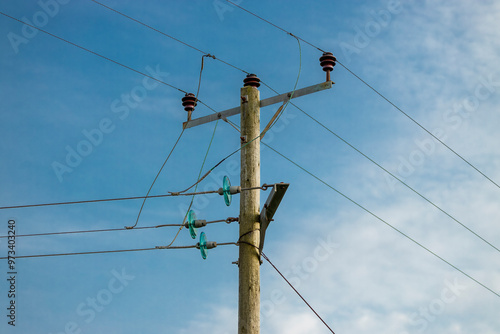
(227, 221)
(112, 251)
(156, 177)
(183, 129)
(197, 182)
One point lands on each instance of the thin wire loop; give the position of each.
(383, 221)
(156, 177)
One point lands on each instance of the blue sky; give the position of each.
(437, 60)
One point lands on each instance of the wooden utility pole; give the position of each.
(249, 260)
(252, 223)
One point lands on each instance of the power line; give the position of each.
(105, 200)
(101, 56)
(398, 179)
(377, 92)
(298, 38)
(382, 220)
(274, 25)
(125, 66)
(228, 220)
(347, 143)
(205, 54)
(388, 172)
(171, 194)
(421, 126)
(92, 52)
(167, 35)
(364, 155)
(111, 251)
(298, 293)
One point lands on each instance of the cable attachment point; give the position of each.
(232, 219)
(232, 190)
(189, 102)
(227, 190)
(204, 245)
(192, 223)
(265, 186)
(327, 61)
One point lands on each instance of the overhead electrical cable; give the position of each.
(314, 119)
(92, 52)
(399, 180)
(112, 251)
(171, 194)
(188, 45)
(105, 200)
(167, 35)
(212, 108)
(274, 25)
(101, 56)
(298, 293)
(378, 93)
(382, 220)
(229, 220)
(421, 126)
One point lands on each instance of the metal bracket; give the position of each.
(269, 209)
(263, 103)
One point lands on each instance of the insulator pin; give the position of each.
(251, 80)
(327, 62)
(189, 102)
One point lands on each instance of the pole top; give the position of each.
(251, 80)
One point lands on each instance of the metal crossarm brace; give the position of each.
(263, 103)
(269, 209)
